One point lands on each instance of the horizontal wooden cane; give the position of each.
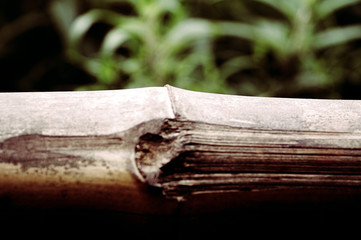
(162, 151)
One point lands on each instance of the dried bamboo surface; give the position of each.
(165, 151)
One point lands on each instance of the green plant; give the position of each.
(157, 43)
(270, 48)
(301, 48)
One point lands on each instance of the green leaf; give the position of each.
(92, 66)
(113, 40)
(107, 72)
(271, 35)
(168, 5)
(336, 36)
(235, 65)
(130, 66)
(84, 22)
(133, 26)
(63, 12)
(187, 32)
(288, 8)
(235, 29)
(326, 7)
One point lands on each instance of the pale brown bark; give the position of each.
(141, 151)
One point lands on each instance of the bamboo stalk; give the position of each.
(158, 151)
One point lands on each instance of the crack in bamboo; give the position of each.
(187, 158)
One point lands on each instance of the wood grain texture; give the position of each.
(188, 158)
(142, 151)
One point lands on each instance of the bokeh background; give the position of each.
(286, 48)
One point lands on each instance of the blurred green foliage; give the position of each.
(293, 48)
(297, 48)
(153, 44)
